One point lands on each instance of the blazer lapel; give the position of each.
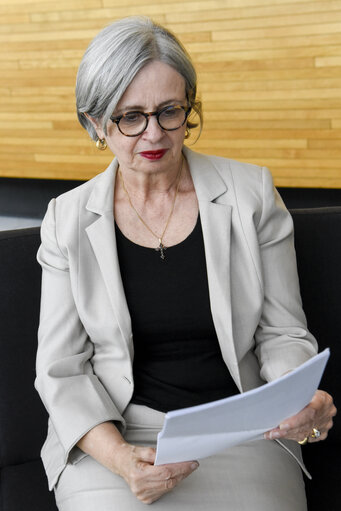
(101, 234)
(215, 215)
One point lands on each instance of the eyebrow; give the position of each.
(140, 108)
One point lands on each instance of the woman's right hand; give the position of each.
(135, 464)
(147, 481)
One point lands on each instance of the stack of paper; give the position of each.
(200, 431)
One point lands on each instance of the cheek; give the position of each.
(117, 143)
(179, 138)
(124, 149)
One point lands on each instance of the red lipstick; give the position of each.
(153, 155)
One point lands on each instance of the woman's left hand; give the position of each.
(317, 414)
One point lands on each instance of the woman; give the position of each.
(182, 262)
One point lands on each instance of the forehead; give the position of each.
(154, 84)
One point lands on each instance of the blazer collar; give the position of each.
(101, 200)
(208, 184)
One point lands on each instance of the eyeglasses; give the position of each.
(169, 118)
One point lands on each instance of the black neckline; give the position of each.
(142, 247)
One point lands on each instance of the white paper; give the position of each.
(200, 431)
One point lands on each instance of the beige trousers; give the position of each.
(255, 476)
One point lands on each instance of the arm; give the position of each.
(72, 394)
(283, 341)
(135, 464)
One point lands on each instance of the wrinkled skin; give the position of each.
(317, 414)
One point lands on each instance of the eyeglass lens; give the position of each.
(134, 123)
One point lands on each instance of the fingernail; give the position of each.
(194, 466)
(275, 434)
(284, 426)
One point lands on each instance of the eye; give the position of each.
(171, 111)
(131, 117)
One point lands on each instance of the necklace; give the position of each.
(161, 247)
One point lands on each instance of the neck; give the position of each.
(152, 185)
(158, 236)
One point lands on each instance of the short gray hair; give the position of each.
(113, 59)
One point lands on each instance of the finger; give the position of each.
(166, 477)
(323, 404)
(325, 410)
(318, 414)
(301, 434)
(146, 454)
(302, 419)
(290, 434)
(186, 471)
(145, 478)
(313, 440)
(176, 470)
(296, 429)
(317, 407)
(170, 483)
(150, 476)
(150, 489)
(150, 495)
(182, 470)
(321, 399)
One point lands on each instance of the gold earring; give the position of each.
(101, 144)
(187, 133)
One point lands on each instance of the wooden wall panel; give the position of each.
(269, 78)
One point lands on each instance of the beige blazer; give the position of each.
(84, 360)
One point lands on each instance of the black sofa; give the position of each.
(23, 420)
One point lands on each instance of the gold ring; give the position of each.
(304, 441)
(316, 433)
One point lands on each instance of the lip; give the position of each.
(154, 155)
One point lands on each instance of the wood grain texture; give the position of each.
(269, 76)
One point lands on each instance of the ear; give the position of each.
(96, 125)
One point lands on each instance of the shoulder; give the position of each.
(78, 208)
(247, 188)
(231, 171)
(245, 181)
(253, 188)
(84, 191)
(94, 196)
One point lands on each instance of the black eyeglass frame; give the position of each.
(147, 115)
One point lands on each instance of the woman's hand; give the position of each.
(135, 464)
(317, 414)
(147, 481)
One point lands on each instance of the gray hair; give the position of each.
(113, 59)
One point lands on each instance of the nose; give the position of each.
(153, 131)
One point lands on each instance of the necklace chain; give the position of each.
(161, 247)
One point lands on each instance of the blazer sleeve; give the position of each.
(283, 341)
(72, 394)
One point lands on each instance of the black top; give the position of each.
(177, 362)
